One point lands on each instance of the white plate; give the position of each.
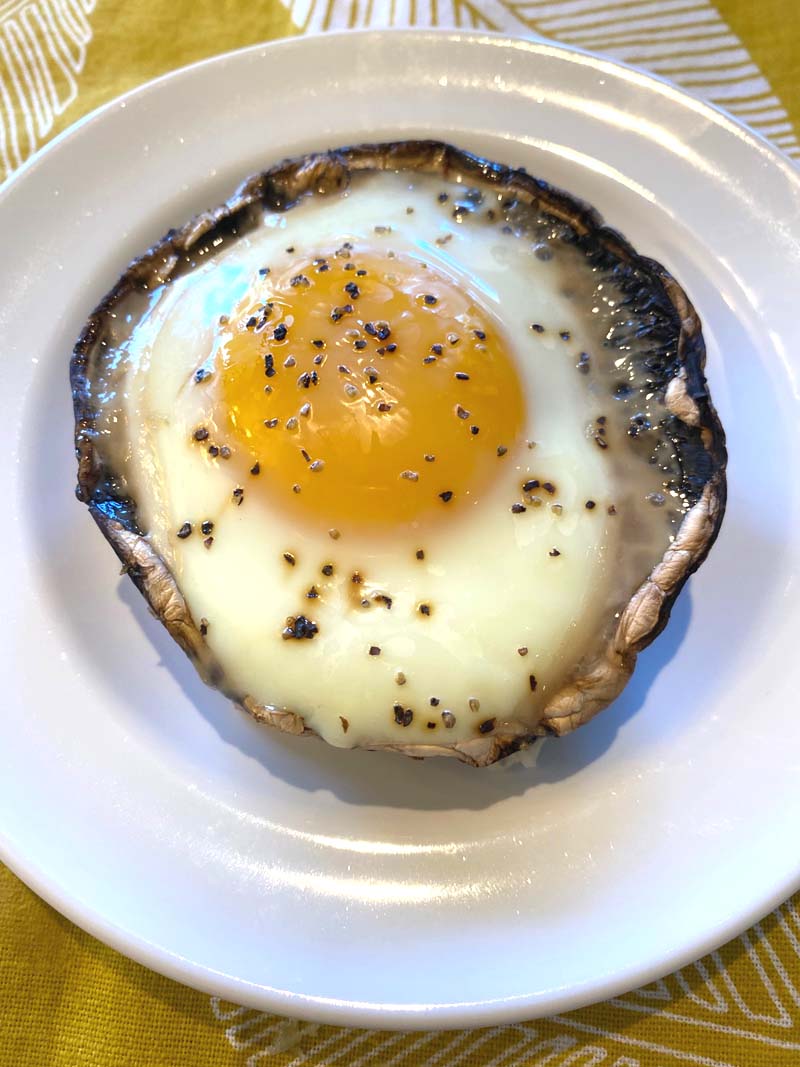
(363, 888)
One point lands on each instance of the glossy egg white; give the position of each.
(519, 599)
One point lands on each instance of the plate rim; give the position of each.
(534, 43)
(346, 1012)
(331, 1011)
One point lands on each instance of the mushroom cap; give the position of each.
(595, 683)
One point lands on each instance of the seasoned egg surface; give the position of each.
(397, 448)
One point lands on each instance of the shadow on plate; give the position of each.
(382, 779)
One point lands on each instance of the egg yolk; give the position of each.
(371, 390)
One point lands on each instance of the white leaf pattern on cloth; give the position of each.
(42, 51)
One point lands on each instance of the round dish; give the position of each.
(184, 836)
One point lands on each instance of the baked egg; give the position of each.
(405, 448)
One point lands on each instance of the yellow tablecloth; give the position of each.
(68, 1001)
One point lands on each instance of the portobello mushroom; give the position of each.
(641, 371)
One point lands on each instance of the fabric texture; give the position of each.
(68, 1001)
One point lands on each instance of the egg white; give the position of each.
(494, 585)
